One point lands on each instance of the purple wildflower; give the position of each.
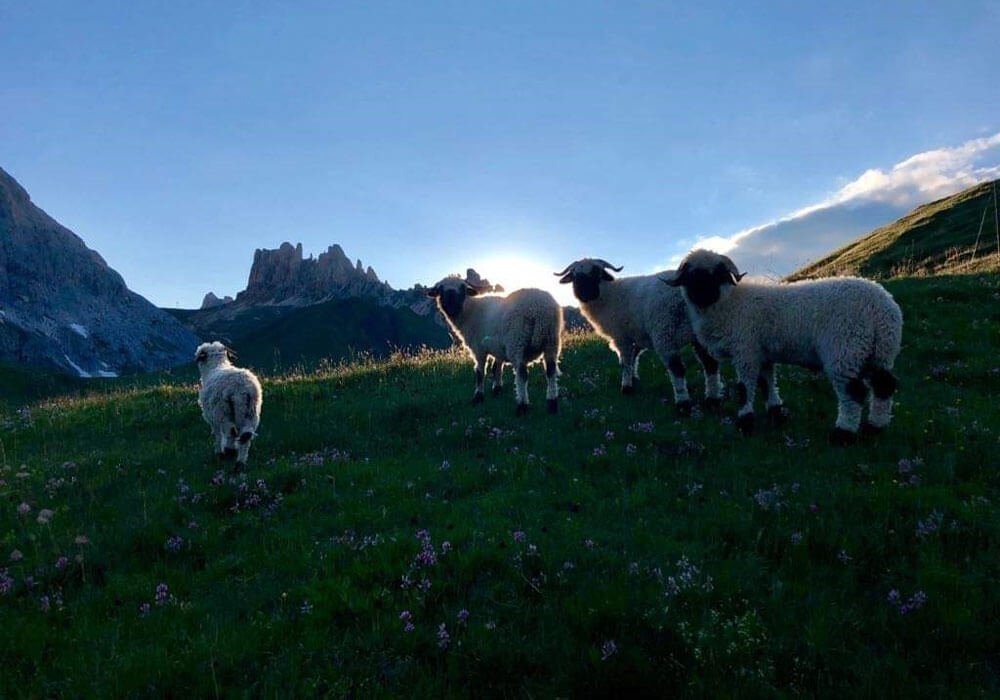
(463, 616)
(608, 649)
(600, 451)
(174, 544)
(62, 563)
(630, 449)
(406, 616)
(23, 509)
(144, 609)
(162, 594)
(518, 535)
(444, 639)
(796, 538)
(6, 582)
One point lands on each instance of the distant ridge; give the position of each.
(934, 239)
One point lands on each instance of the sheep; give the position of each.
(637, 313)
(849, 328)
(230, 399)
(516, 329)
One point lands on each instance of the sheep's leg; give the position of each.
(243, 449)
(713, 378)
(497, 369)
(552, 379)
(628, 358)
(776, 411)
(521, 386)
(851, 396)
(221, 433)
(682, 399)
(883, 386)
(477, 397)
(747, 375)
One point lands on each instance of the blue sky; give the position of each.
(175, 138)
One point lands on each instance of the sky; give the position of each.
(512, 137)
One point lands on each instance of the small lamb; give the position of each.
(636, 313)
(849, 328)
(230, 400)
(518, 329)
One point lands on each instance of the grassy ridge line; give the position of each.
(938, 238)
(612, 548)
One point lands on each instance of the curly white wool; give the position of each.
(848, 327)
(517, 329)
(638, 313)
(230, 399)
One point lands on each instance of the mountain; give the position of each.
(63, 308)
(301, 311)
(937, 238)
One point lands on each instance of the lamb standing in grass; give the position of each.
(848, 327)
(516, 329)
(230, 400)
(637, 313)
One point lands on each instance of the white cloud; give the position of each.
(875, 198)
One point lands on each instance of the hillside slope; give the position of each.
(63, 308)
(934, 239)
(274, 338)
(391, 540)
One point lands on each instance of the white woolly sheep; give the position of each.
(516, 329)
(637, 313)
(230, 400)
(849, 328)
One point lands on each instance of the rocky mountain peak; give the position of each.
(61, 306)
(284, 276)
(211, 301)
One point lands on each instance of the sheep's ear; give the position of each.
(606, 276)
(677, 278)
(567, 278)
(231, 354)
(434, 292)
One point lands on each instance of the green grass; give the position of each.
(948, 236)
(694, 562)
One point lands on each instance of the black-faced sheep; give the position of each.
(637, 313)
(517, 329)
(849, 328)
(230, 400)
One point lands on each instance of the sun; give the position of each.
(518, 272)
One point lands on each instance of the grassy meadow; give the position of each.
(392, 540)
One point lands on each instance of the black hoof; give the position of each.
(683, 407)
(477, 398)
(745, 424)
(522, 409)
(628, 390)
(842, 438)
(869, 430)
(778, 415)
(713, 404)
(497, 390)
(553, 405)
(227, 453)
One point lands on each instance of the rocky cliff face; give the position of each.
(61, 306)
(283, 276)
(211, 301)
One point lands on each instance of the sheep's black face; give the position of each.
(452, 300)
(704, 286)
(587, 285)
